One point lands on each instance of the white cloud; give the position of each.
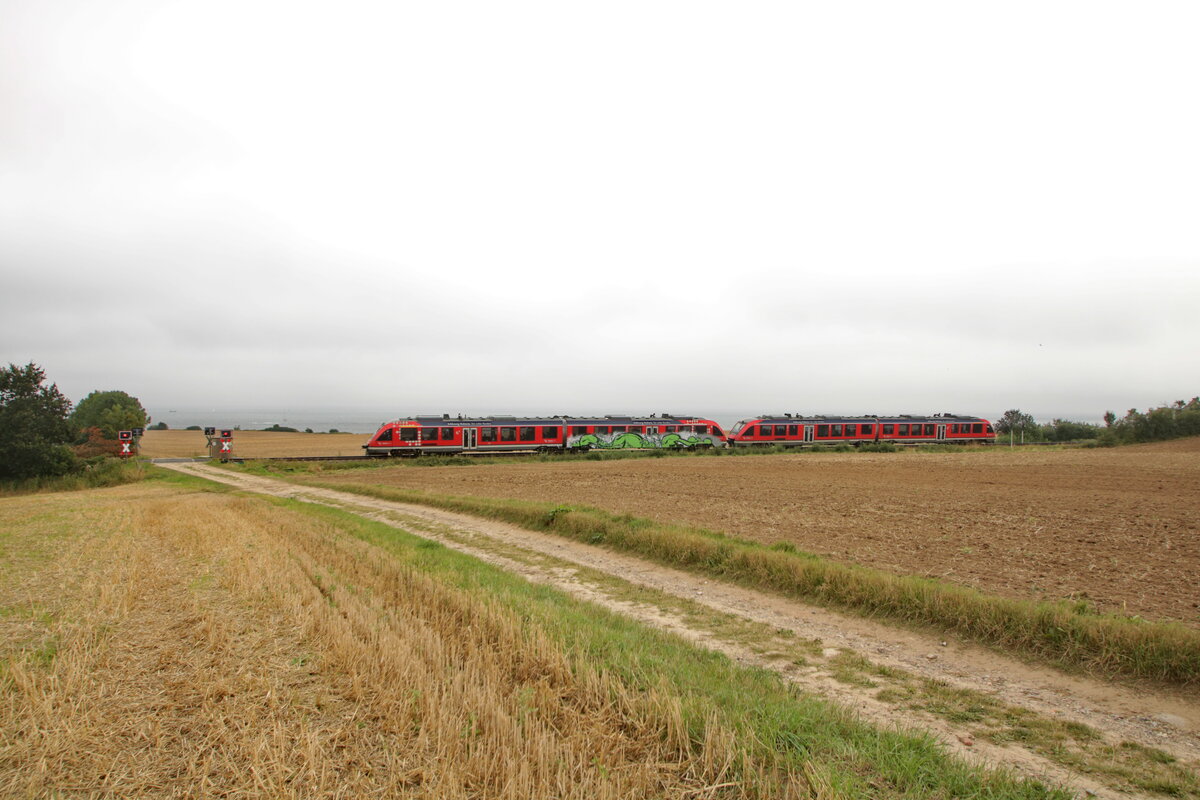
(546, 206)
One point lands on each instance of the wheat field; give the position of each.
(253, 444)
(156, 643)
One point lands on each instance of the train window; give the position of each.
(447, 434)
(386, 436)
(528, 433)
(578, 430)
(989, 428)
(903, 430)
(751, 431)
(602, 429)
(669, 428)
(408, 434)
(929, 429)
(889, 430)
(868, 430)
(792, 430)
(637, 428)
(822, 430)
(508, 434)
(781, 430)
(851, 429)
(954, 428)
(549, 431)
(429, 434)
(487, 434)
(837, 430)
(618, 428)
(716, 431)
(977, 427)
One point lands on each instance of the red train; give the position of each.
(796, 431)
(417, 435)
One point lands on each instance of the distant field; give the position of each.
(254, 444)
(1119, 528)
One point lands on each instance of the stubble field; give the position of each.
(253, 444)
(1119, 529)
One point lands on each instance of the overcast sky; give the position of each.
(609, 207)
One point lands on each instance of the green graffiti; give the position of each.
(631, 441)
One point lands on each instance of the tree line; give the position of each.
(43, 435)
(1179, 419)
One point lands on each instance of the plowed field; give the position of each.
(1119, 528)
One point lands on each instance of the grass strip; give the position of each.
(839, 755)
(96, 474)
(1065, 634)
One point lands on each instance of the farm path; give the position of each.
(1163, 719)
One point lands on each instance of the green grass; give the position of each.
(96, 474)
(777, 723)
(1062, 633)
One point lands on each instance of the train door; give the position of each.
(808, 432)
(470, 438)
(941, 431)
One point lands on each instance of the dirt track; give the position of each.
(1119, 528)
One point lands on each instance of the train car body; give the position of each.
(797, 431)
(432, 435)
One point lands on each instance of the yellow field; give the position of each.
(254, 444)
(159, 642)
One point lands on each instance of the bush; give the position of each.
(110, 411)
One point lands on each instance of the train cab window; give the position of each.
(487, 434)
(429, 434)
(386, 436)
(977, 427)
(508, 434)
(903, 430)
(408, 434)
(716, 431)
(850, 429)
(822, 430)
(528, 433)
(868, 430)
(989, 428)
(792, 430)
(550, 432)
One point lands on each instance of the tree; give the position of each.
(1014, 419)
(1109, 419)
(34, 430)
(110, 411)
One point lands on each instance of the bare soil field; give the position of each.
(253, 444)
(1119, 528)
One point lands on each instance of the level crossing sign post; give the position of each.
(128, 444)
(220, 443)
